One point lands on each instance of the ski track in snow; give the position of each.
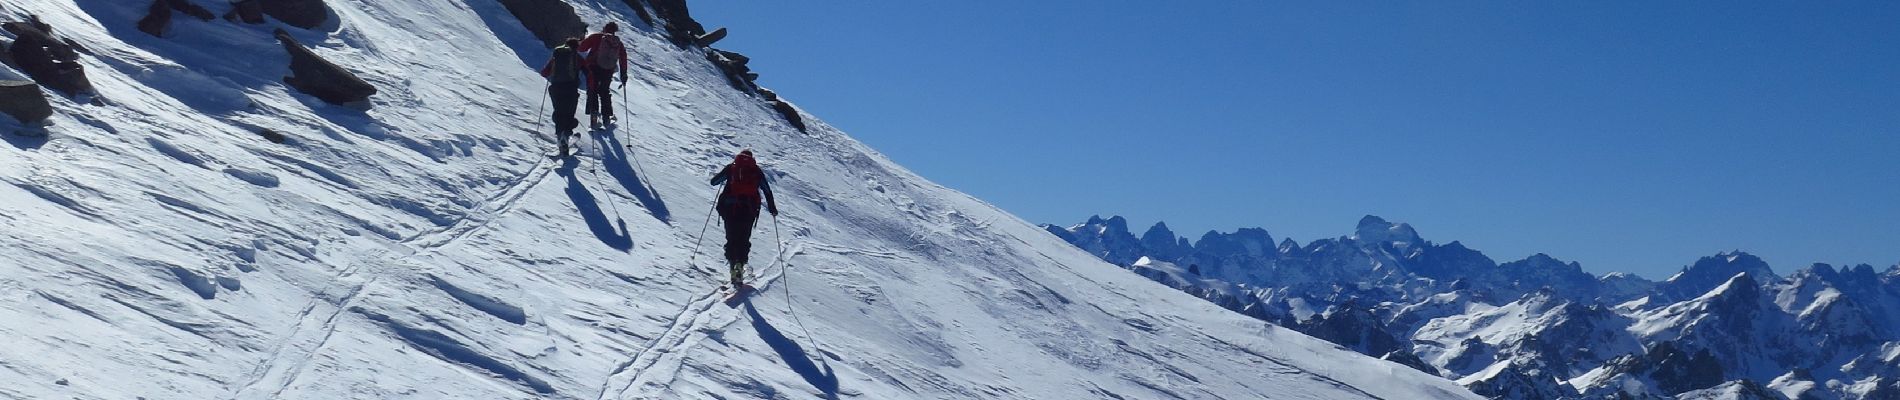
(679, 334)
(421, 243)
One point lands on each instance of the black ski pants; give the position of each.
(739, 214)
(600, 91)
(566, 96)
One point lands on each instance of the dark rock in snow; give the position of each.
(677, 22)
(552, 21)
(318, 77)
(640, 8)
(1408, 359)
(48, 60)
(790, 113)
(187, 7)
(158, 19)
(272, 136)
(735, 59)
(734, 67)
(246, 11)
(298, 13)
(22, 100)
(708, 39)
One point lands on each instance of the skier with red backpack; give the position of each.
(604, 53)
(738, 207)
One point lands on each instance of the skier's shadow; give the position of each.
(794, 355)
(613, 156)
(584, 200)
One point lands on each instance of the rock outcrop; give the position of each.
(675, 20)
(246, 11)
(49, 61)
(790, 113)
(299, 13)
(158, 18)
(321, 78)
(735, 69)
(708, 39)
(22, 100)
(552, 21)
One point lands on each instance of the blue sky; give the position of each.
(1628, 136)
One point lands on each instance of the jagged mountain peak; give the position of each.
(1373, 229)
(1742, 286)
(1712, 271)
(1159, 231)
(1863, 273)
(1288, 245)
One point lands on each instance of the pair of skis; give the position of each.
(736, 293)
(607, 129)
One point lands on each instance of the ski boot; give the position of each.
(738, 275)
(563, 137)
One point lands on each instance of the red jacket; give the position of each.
(592, 42)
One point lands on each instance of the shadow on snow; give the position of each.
(614, 156)
(589, 207)
(794, 356)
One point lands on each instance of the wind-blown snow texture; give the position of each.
(159, 247)
(1725, 327)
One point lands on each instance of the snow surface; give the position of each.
(425, 247)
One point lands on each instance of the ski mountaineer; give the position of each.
(563, 72)
(738, 206)
(605, 53)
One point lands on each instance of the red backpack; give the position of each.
(744, 178)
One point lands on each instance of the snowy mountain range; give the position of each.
(1725, 327)
(352, 199)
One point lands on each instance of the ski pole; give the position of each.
(538, 112)
(702, 228)
(702, 233)
(624, 110)
(786, 272)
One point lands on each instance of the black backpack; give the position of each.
(565, 67)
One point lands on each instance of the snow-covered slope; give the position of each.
(159, 247)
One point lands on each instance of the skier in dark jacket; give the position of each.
(605, 53)
(563, 71)
(739, 208)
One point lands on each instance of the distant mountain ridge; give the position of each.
(1725, 326)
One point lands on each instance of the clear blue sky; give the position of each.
(1628, 136)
